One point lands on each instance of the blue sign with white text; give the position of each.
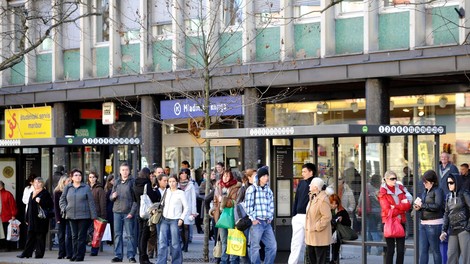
(190, 108)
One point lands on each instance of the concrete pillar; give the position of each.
(5, 46)
(287, 31)
(249, 33)
(377, 105)
(327, 30)
(59, 111)
(464, 23)
(253, 149)
(417, 24)
(151, 147)
(145, 49)
(86, 43)
(115, 62)
(371, 26)
(30, 57)
(179, 36)
(57, 53)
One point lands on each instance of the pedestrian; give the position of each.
(160, 186)
(99, 197)
(455, 227)
(259, 205)
(299, 210)
(465, 176)
(174, 211)
(8, 212)
(65, 240)
(339, 216)
(108, 188)
(213, 212)
(78, 204)
(28, 190)
(219, 170)
(37, 227)
(373, 212)
(143, 183)
(225, 196)
(392, 196)
(318, 223)
(431, 206)
(124, 212)
(189, 190)
(247, 180)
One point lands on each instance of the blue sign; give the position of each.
(190, 108)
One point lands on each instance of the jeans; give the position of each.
(120, 222)
(262, 232)
(79, 235)
(225, 257)
(176, 254)
(65, 239)
(429, 241)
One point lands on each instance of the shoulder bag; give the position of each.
(393, 227)
(145, 204)
(157, 216)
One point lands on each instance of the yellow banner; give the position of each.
(35, 122)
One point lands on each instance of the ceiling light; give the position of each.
(443, 101)
(420, 101)
(354, 107)
(325, 108)
(421, 113)
(406, 110)
(392, 105)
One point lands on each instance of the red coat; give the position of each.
(386, 201)
(8, 205)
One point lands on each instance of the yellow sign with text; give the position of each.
(34, 122)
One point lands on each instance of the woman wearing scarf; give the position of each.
(225, 195)
(190, 193)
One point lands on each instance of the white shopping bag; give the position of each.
(13, 232)
(107, 234)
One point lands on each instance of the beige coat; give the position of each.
(318, 222)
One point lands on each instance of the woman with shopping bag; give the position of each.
(394, 203)
(99, 196)
(225, 195)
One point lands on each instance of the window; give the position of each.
(349, 6)
(162, 17)
(233, 12)
(17, 33)
(130, 19)
(102, 21)
(267, 12)
(304, 9)
(71, 31)
(43, 23)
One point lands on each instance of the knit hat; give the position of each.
(262, 171)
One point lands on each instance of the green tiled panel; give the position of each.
(445, 25)
(268, 44)
(349, 35)
(162, 55)
(102, 61)
(231, 47)
(44, 67)
(307, 40)
(17, 73)
(394, 31)
(194, 50)
(72, 64)
(130, 58)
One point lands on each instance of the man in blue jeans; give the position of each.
(259, 204)
(124, 211)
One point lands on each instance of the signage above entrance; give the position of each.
(32, 122)
(190, 108)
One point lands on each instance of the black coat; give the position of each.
(34, 222)
(433, 204)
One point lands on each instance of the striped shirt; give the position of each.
(263, 207)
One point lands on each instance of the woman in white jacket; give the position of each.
(175, 210)
(190, 193)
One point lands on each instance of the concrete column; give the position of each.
(151, 147)
(253, 149)
(59, 111)
(371, 26)
(145, 49)
(417, 24)
(249, 33)
(86, 43)
(327, 30)
(5, 46)
(287, 31)
(30, 58)
(115, 62)
(179, 36)
(57, 53)
(377, 105)
(464, 29)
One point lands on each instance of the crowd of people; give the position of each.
(179, 201)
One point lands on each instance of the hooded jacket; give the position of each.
(457, 207)
(125, 202)
(386, 199)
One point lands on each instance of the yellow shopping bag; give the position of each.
(236, 243)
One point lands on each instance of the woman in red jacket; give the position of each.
(392, 196)
(7, 212)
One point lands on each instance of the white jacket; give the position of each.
(190, 194)
(175, 205)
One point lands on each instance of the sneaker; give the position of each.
(132, 260)
(116, 259)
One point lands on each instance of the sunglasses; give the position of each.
(451, 183)
(392, 179)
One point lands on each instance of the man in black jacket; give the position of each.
(298, 212)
